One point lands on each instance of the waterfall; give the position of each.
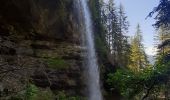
(92, 69)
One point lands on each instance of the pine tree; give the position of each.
(163, 36)
(164, 42)
(163, 14)
(123, 47)
(163, 25)
(117, 26)
(114, 35)
(138, 56)
(112, 24)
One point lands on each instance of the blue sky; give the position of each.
(137, 10)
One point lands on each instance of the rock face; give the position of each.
(40, 44)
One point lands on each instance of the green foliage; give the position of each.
(101, 48)
(34, 93)
(116, 26)
(57, 63)
(123, 80)
(162, 14)
(62, 96)
(138, 56)
(45, 95)
(132, 85)
(98, 27)
(31, 92)
(95, 9)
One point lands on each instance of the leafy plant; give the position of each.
(34, 93)
(31, 92)
(148, 82)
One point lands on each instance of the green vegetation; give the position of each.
(57, 63)
(149, 82)
(62, 96)
(31, 92)
(34, 93)
(138, 56)
(99, 30)
(126, 66)
(162, 14)
(45, 95)
(124, 63)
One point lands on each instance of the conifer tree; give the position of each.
(138, 56)
(115, 22)
(162, 14)
(123, 47)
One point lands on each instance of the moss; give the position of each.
(57, 63)
(34, 93)
(45, 95)
(61, 95)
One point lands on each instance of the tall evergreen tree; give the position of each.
(117, 26)
(138, 55)
(123, 48)
(163, 14)
(111, 23)
(163, 37)
(163, 25)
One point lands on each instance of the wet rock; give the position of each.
(39, 32)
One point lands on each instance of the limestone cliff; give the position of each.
(40, 45)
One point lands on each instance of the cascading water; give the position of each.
(94, 91)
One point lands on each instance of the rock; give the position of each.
(25, 51)
(33, 32)
(1, 88)
(40, 79)
(7, 50)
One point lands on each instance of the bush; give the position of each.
(31, 92)
(149, 82)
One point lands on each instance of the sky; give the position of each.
(137, 11)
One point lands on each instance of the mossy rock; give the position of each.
(45, 95)
(62, 95)
(57, 63)
(41, 53)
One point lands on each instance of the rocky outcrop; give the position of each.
(39, 44)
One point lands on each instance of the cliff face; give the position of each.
(44, 18)
(40, 44)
